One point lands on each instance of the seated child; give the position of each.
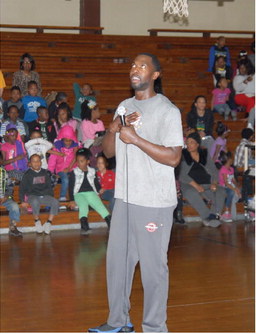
(63, 116)
(6, 199)
(64, 163)
(106, 179)
(38, 145)
(60, 97)
(36, 185)
(220, 98)
(92, 129)
(228, 181)
(81, 94)
(13, 151)
(220, 143)
(91, 124)
(31, 102)
(83, 190)
(15, 100)
(44, 125)
(247, 135)
(13, 118)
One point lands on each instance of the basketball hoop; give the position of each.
(176, 7)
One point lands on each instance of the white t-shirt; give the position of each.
(242, 88)
(150, 183)
(39, 146)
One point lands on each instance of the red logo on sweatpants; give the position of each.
(151, 227)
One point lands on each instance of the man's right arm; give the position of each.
(109, 140)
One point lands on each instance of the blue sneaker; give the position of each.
(105, 328)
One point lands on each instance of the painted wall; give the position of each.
(131, 17)
(135, 17)
(40, 12)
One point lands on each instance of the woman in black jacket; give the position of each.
(199, 180)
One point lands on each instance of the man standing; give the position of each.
(147, 149)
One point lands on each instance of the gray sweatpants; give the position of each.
(139, 234)
(37, 201)
(195, 199)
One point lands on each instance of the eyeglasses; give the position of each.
(26, 62)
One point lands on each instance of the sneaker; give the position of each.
(39, 227)
(226, 217)
(47, 228)
(212, 221)
(214, 216)
(63, 199)
(178, 217)
(108, 220)
(85, 229)
(105, 328)
(15, 232)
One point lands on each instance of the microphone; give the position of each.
(121, 112)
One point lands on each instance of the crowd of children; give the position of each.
(42, 144)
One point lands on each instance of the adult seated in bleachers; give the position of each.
(31, 102)
(85, 92)
(219, 49)
(43, 124)
(201, 120)
(244, 85)
(15, 100)
(25, 74)
(63, 116)
(199, 180)
(247, 135)
(52, 108)
(13, 119)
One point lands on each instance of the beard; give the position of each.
(140, 86)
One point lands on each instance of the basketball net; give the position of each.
(176, 7)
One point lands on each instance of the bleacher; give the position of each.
(104, 62)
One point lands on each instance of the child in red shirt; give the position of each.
(106, 178)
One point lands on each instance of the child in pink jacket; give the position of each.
(67, 144)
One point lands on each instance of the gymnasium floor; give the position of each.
(57, 283)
